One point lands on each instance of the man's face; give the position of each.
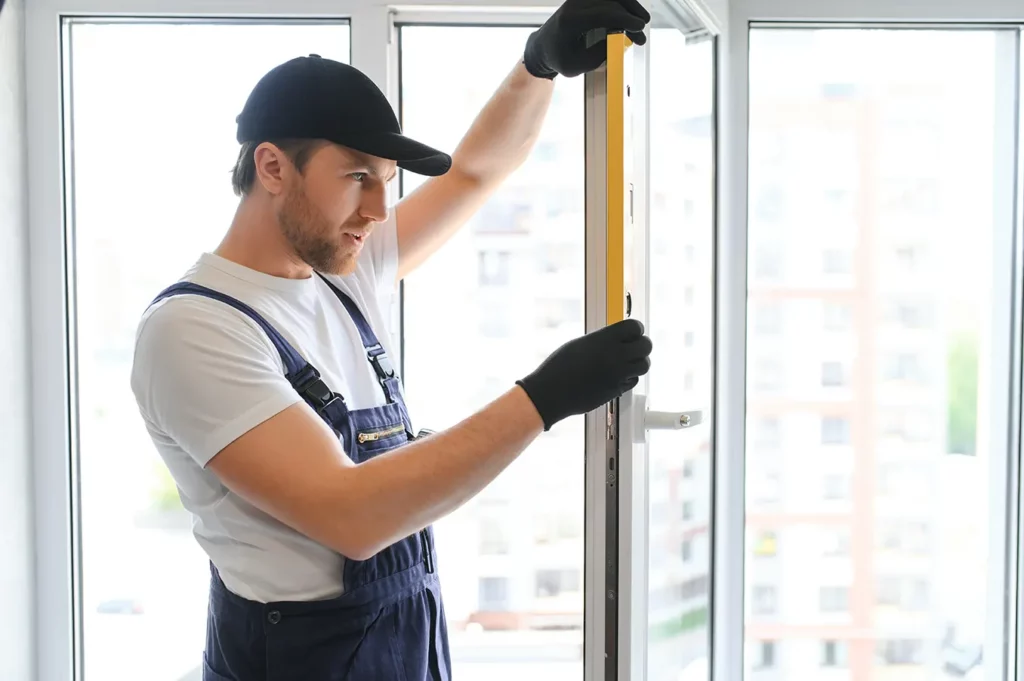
(327, 212)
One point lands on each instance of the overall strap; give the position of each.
(375, 353)
(302, 375)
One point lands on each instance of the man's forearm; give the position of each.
(398, 493)
(505, 130)
(497, 143)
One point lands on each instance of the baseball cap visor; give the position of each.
(410, 155)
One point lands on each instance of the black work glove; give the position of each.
(589, 371)
(560, 45)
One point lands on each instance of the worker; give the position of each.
(265, 375)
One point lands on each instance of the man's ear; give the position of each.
(272, 167)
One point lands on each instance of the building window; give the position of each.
(911, 594)
(768, 262)
(900, 651)
(552, 583)
(832, 374)
(493, 541)
(887, 590)
(834, 599)
(903, 366)
(911, 315)
(909, 257)
(551, 313)
(836, 543)
(770, 205)
(687, 510)
(910, 425)
(768, 318)
(494, 321)
(836, 261)
(493, 593)
(686, 550)
(764, 600)
(768, 433)
(764, 654)
(833, 653)
(837, 317)
(768, 375)
(688, 380)
(688, 339)
(551, 527)
(916, 595)
(766, 488)
(836, 486)
(694, 588)
(839, 201)
(494, 268)
(688, 469)
(835, 430)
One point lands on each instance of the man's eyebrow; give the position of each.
(375, 173)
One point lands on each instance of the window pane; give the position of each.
(154, 142)
(680, 322)
(871, 192)
(469, 336)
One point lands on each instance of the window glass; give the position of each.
(872, 176)
(681, 219)
(153, 123)
(495, 301)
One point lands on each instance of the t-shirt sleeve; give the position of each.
(204, 374)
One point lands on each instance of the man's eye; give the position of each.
(358, 177)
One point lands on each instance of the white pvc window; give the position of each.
(851, 510)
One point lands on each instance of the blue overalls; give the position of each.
(389, 624)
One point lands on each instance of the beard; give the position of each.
(315, 240)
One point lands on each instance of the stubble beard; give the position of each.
(315, 241)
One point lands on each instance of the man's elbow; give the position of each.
(359, 538)
(358, 546)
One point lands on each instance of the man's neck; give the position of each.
(255, 240)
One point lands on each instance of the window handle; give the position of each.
(662, 420)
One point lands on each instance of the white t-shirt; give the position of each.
(204, 374)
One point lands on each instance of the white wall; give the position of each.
(16, 558)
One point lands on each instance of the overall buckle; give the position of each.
(314, 391)
(381, 362)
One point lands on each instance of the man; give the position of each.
(265, 381)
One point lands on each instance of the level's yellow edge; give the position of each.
(615, 189)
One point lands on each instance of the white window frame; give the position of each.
(52, 371)
(1006, 563)
(51, 360)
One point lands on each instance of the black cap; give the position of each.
(317, 98)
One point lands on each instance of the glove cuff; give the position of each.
(523, 383)
(537, 73)
(530, 60)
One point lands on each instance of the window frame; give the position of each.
(1003, 636)
(374, 51)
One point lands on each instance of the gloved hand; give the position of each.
(560, 45)
(589, 371)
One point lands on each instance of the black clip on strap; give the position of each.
(381, 362)
(314, 391)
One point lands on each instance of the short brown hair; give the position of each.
(299, 151)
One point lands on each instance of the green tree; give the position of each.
(962, 365)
